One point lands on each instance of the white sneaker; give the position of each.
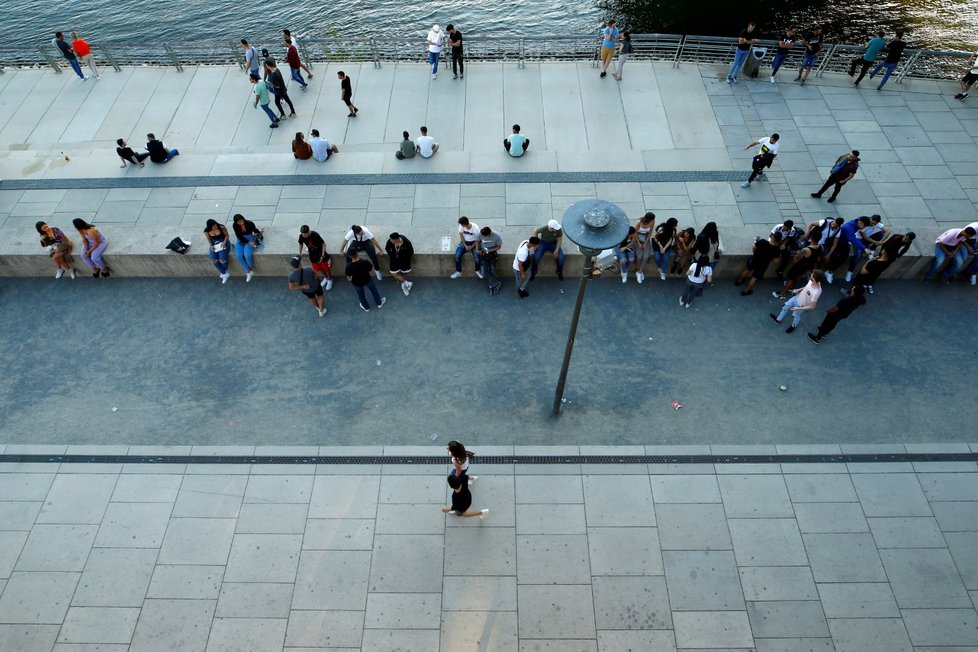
(639, 276)
(404, 289)
(455, 275)
(772, 80)
(479, 274)
(848, 276)
(483, 514)
(681, 302)
(624, 277)
(434, 75)
(60, 273)
(378, 275)
(383, 300)
(224, 278)
(662, 276)
(250, 275)
(473, 478)
(322, 283)
(745, 184)
(72, 272)
(322, 313)
(410, 284)
(329, 284)
(829, 277)
(974, 277)
(869, 288)
(687, 305)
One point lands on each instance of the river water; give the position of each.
(942, 24)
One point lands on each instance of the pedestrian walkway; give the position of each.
(599, 549)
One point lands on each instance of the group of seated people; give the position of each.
(316, 147)
(156, 151)
(425, 146)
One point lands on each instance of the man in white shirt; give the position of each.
(435, 41)
(321, 148)
(425, 144)
(522, 262)
(469, 241)
(767, 149)
(362, 241)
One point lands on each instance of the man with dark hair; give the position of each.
(359, 239)
(792, 240)
(894, 50)
(455, 41)
(127, 154)
(785, 44)
(766, 153)
(744, 44)
(869, 57)
(276, 84)
(948, 245)
(522, 263)
(295, 63)
(318, 257)
(69, 54)
(358, 272)
(291, 40)
(303, 279)
(158, 151)
(468, 243)
(251, 58)
(763, 252)
(490, 244)
(399, 251)
(894, 247)
(260, 91)
(322, 149)
(517, 143)
(814, 40)
(853, 299)
(346, 94)
(842, 172)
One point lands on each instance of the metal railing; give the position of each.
(675, 48)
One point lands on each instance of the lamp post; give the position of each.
(593, 225)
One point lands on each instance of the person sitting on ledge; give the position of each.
(158, 151)
(300, 148)
(425, 144)
(407, 149)
(128, 155)
(322, 149)
(517, 143)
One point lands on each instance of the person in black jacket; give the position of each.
(854, 298)
(400, 250)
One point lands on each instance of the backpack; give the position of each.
(179, 245)
(839, 163)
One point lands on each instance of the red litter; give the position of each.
(676, 405)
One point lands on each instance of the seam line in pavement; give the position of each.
(612, 176)
(863, 458)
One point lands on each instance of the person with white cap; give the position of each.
(435, 41)
(551, 237)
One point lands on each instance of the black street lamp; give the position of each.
(593, 225)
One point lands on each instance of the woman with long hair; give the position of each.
(664, 243)
(93, 246)
(60, 246)
(685, 240)
(246, 239)
(300, 148)
(699, 274)
(625, 253)
(460, 460)
(643, 243)
(708, 243)
(219, 241)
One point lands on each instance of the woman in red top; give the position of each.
(80, 46)
(300, 148)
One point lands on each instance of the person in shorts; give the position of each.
(814, 40)
(969, 78)
(762, 255)
(400, 251)
(321, 263)
(303, 279)
(609, 40)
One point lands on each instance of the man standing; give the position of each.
(609, 39)
(455, 41)
(434, 41)
(490, 243)
(969, 78)
(291, 40)
(251, 58)
(407, 148)
(844, 169)
(128, 155)
(894, 50)
(521, 264)
(358, 273)
(321, 263)
(813, 45)
(84, 52)
(346, 94)
(322, 149)
(744, 44)
(295, 64)
(838, 312)
(361, 240)
(260, 89)
(468, 242)
(804, 299)
(276, 83)
(399, 251)
(785, 43)
(551, 237)
(869, 57)
(517, 143)
(425, 144)
(68, 54)
(303, 279)
(767, 150)
(158, 151)
(948, 245)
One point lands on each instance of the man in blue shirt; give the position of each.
(517, 143)
(608, 41)
(869, 57)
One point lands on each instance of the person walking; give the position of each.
(967, 81)
(358, 272)
(462, 500)
(295, 64)
(551, 237)
(247, 236)
(407, 148)
(804, 299)
(219, 242)
(346, 94)
(785, 45)
(745, 42)
(489, 244)
(949, 246)
(158, 151)
(84, 52)
(69, 54)
(762, 255)
(303, 279)
(300, 148)
(625, 253)
(276, 84)
(128, 156)
(868, 58)
(609, 39)
(291, 40)
(361, 240)
(766, 153)
(59, 246)
(399, 253)
(434, 42)
(521, 265)
(321, 263)
(468, 243)
(94, 244)
(842, 172)
(854, 298)
(625, 50)
(664, 243)
(260, 90)
(460, 459)
(643, 243)
(251, 58)
(894, 51)
(814, 40)
(699, 273)
(455, 42)
(517, 143)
